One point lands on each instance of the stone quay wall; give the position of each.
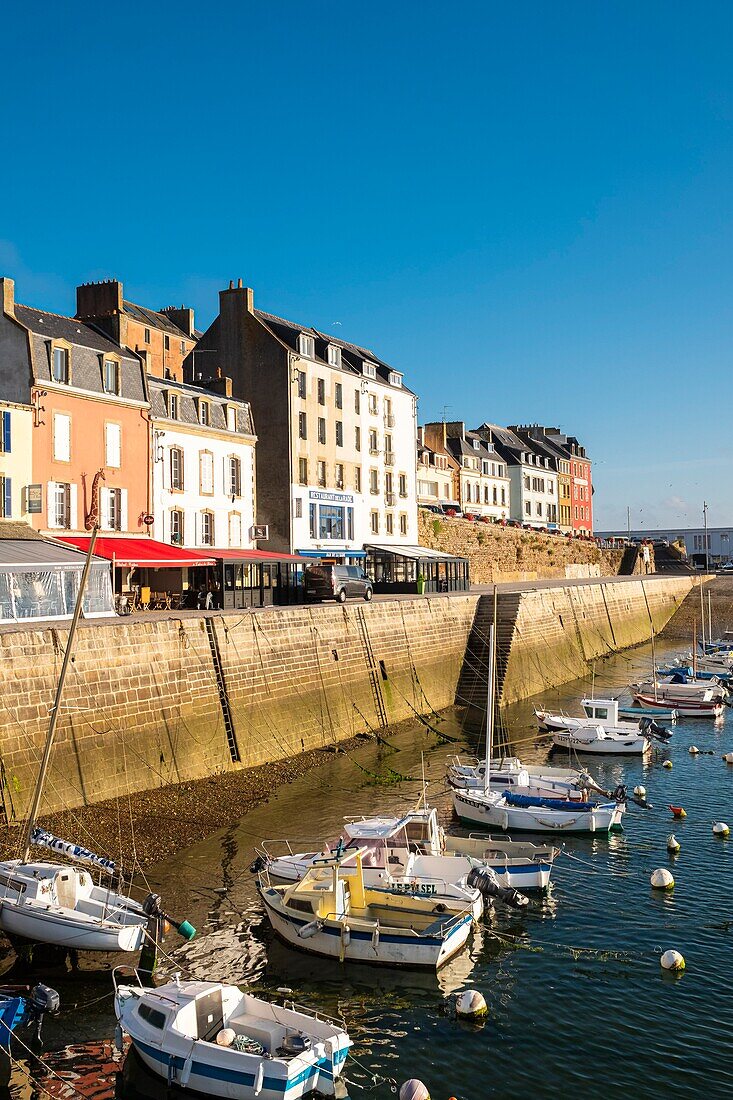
(172, 700)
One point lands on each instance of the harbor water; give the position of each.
(576, 995)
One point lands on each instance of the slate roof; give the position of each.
(152, 319)
(89, 345)
(187, 408)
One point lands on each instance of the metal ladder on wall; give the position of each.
(373, 667)
(221, 688)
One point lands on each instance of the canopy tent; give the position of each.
(141, 553)
(399, 569)
(39, 578)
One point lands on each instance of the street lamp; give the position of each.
(705, 522)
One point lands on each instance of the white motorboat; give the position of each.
(525, 808)
(600, 730)
(516, 863)
(332, 912)
(509, 772)
(218, 1041)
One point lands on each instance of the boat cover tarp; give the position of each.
(547, 803)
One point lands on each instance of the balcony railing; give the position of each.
(389, 458)
(374, 450)
(390, 499)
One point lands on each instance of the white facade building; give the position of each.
(534, 491)
(203, 466)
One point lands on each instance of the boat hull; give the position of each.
(605, 746)
(472, 811)
(685, 708)
(37, 924)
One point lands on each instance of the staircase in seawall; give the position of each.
(472, 683)
(669, 560)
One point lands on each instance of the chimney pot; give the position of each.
(239, 283)
(231, 284)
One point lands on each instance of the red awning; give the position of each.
(227, 554)
(146, 553)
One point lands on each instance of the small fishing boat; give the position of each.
(22, 1009)
(635, 710)
(216, 1040)
(600, 730)
(333, 913)
(516, 863)
(598, 740)
(689, 700)
(509, 772)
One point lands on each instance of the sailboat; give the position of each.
(59, 903)
(526, 809)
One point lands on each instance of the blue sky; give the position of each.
(526, 207)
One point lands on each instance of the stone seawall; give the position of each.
(172, 700)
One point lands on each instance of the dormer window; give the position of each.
(395, 379)
(204, 413)
(476, 444)
(370, 369)
(231, 418)
(111, 372)
(333, 355)
(173, 406)
(307, 346)
(61, 365)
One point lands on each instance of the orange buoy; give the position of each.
(677, 811)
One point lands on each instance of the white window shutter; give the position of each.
(73, 505)
(51, 504)
(123, 509)
(104, 508)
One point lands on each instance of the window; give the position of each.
(370, 370)
(235, 529)
(5, 434)
(550, 488)
(176, 468)
(357, 438)
(373, 448)
(331, 522)
(338, 394)
(60, 365)
(321, 392)
(496, 495)
(306, 346)
(528, 509)
(372, 404)
(339, 433)
(339, 475)
(152, 1015)
(312, 521)
(321, 430)
(350, 523)
(173, 406)
(395, 379)
(539, 507)
(234, 470)
(388, 482)
(113, 445)
(167, 343)
(373, 482)
(388, 453)
(177, 527)
(231, 418)
(111, 376)
(403, 486)
(357, 479)
(390, 523)
(374, 523)
(357, 401)
(526, 483)
(61, 437)
(113, 518)
(6, 497)
(301, 385)
(403, 524)
(302, 426)
(204, 413)
(207, 528)
(60, 505)
(206, 472)
(183, 347)
(333, 356)
(303, 471)
(486, 494)
(322, 473)
(146, 335)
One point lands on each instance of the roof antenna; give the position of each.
(445, 410)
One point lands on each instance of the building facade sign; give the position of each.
(334, 498)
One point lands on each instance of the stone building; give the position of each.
(336, 450)
(88, 420)
(544, 442)
(484, 486)
(203, 446)
(532, 473)
(162, 339)
(437, 475)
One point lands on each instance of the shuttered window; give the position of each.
(206, 472)
(6, 498)
(176, 468)
(61, 437)
(113, 445)
(5, 434)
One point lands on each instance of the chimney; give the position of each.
(96, 300)
(8, 296)
(220, 385)
(182, 317)
(239, 293)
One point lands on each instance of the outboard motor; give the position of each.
(484, 880)
(42, 1000)
(257, 865)
(296, 1043)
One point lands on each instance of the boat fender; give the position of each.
(259, 1078)
(226, 1037)
(414, 1090)
(667, 764)
(693, 750)
(673, 844)
(640, 791)
(672, 960)
(310, 929)
(728, 757)
(375, 937)
(119, 1040)
(186, 1070)
(619, 794)
(662, 879)
(720, 829)
(471, 1005)
(678, 811)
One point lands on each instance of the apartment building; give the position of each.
(203, 446)
(532, 473)
(16, 459)
(484, 485)
(437, 476)
(336, 454)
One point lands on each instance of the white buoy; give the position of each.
(672, 960)
(662, 879)
(693, 750)
(414, 1090)
(721, 829)
(640, 791)
(470, 1005)
(667, 764)
(728, 757)
(673, 844)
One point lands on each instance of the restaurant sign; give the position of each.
(34, 498)
(334, 498)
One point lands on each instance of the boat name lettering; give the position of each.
(415, 888)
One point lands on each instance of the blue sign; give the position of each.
(335, 498)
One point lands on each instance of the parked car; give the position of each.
(337, 582)
(436, 508)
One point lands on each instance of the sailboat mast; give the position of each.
(654, 664)
(41, 782)
(694, 649)
(702, 617)
(710, 619)
(489, 710)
